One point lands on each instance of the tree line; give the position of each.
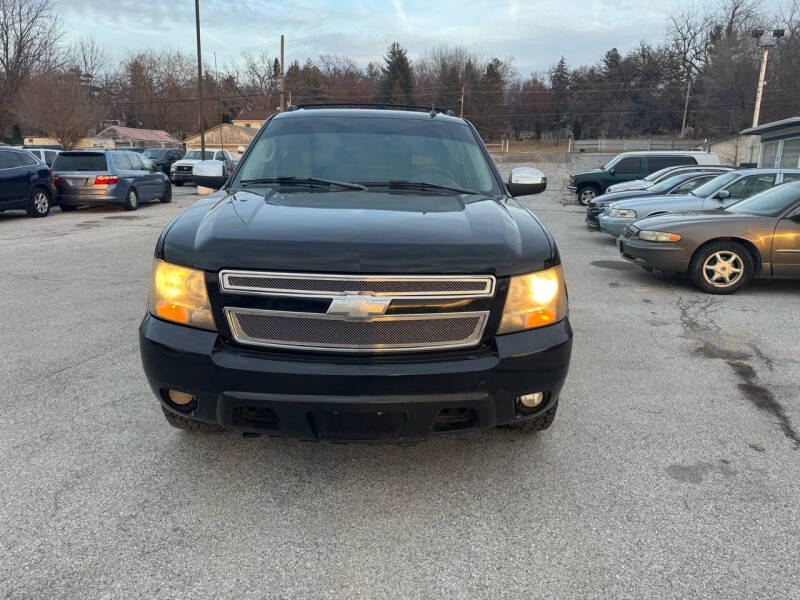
(709, 54)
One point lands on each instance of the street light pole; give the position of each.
(757, 34)
(200, 78)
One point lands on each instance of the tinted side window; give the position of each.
(121, 161)
(49, 157)
(136, 163)
(628, 166)
(8, 160)
(656, 163)
(26, 159)
(787, 177)
(750, 185)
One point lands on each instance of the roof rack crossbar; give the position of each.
(380, 105)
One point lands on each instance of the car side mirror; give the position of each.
(612, 171)
(210, 173)
(525, 181)
(722, 195)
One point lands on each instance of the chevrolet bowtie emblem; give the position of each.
(359, 307)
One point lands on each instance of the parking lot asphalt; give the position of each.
(672, 469)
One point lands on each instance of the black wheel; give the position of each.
(722, 267)
(131, 200)
(167, 195)
(180, 422)
(539, 423)
(178, 183)
(38, 203)
(586, 194)
(67, 207)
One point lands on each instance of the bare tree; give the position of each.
(61, 105)
(87, 56)
(29, 36)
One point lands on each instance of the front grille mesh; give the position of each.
(398, 332)
(315, 285)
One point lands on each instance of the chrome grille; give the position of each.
(283, 284)
(318, 331)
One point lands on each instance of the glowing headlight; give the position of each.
(621, 212)
(178, 294)
(659, 236)
(534, 300)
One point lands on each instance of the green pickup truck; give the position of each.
(632, 165)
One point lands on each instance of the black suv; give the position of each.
(362, 275)
(25, 183)
(163, 158)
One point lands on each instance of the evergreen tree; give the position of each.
(397, 84)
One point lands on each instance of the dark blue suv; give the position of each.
(25, 183)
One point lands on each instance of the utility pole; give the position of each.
(757, 34)
(219, 103)
(283, 82)
(686, 106)
(200, 79)
(463, 88)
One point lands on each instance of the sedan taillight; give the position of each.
(56, 180)
(106, 179)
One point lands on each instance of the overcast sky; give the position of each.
(535, 32)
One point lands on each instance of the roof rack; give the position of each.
(378, 105)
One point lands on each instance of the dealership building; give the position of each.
(780, 143)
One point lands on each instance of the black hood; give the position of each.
(359, 232)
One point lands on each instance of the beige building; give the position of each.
(733, 150)
(252, 118)
(226, 136)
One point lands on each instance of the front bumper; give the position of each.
(572, 188)
(184, 176)
(592, 216)
(655, 255)
(348, 398)
(614, 225)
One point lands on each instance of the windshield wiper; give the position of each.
(306, 181)
(422, 185)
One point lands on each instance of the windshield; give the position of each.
(612, 162)
(715, 184)
(154, 153)
(370, 150)
(667, 184)
(196, 155)
(769, 203)
(656, 174)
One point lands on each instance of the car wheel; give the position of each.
(181, 422)
(167, 195)
(131, 200)
(587, 194)
(178, 183)
(539, 423)
(67, 207)
(722, 268)
(38, 203)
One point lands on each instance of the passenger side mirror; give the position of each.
(525, 181)
(210, 173)
(722, 195)
(612, 171)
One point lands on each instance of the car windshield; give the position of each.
(196, 155)
(656, 174)
(667, 184)
(154, 153)
(370, 150)
(707, 189)
(612, 162)
(84, 161)
(769, 203)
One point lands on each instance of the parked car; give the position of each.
(136, 149)
(181, 170)
(632, 165)
(163, 158)
(410, 296)
(720, 192)
(658, 176)
(683, 183)
(45, 156)
(98, 177)
(25, 183)
(722, 250)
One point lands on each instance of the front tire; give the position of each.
(586, 194)
(722, 268)
(167, 195)
(38, 203)
(131, 200)
(180, 422)
(539, 423)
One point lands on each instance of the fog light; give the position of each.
(531, 400)
(180, 398)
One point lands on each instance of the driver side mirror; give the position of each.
(525, 181)
(210, 173)
(722, 195)
(612, 171)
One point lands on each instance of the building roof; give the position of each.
(774, 126)
(253, 115)
(133, 134)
